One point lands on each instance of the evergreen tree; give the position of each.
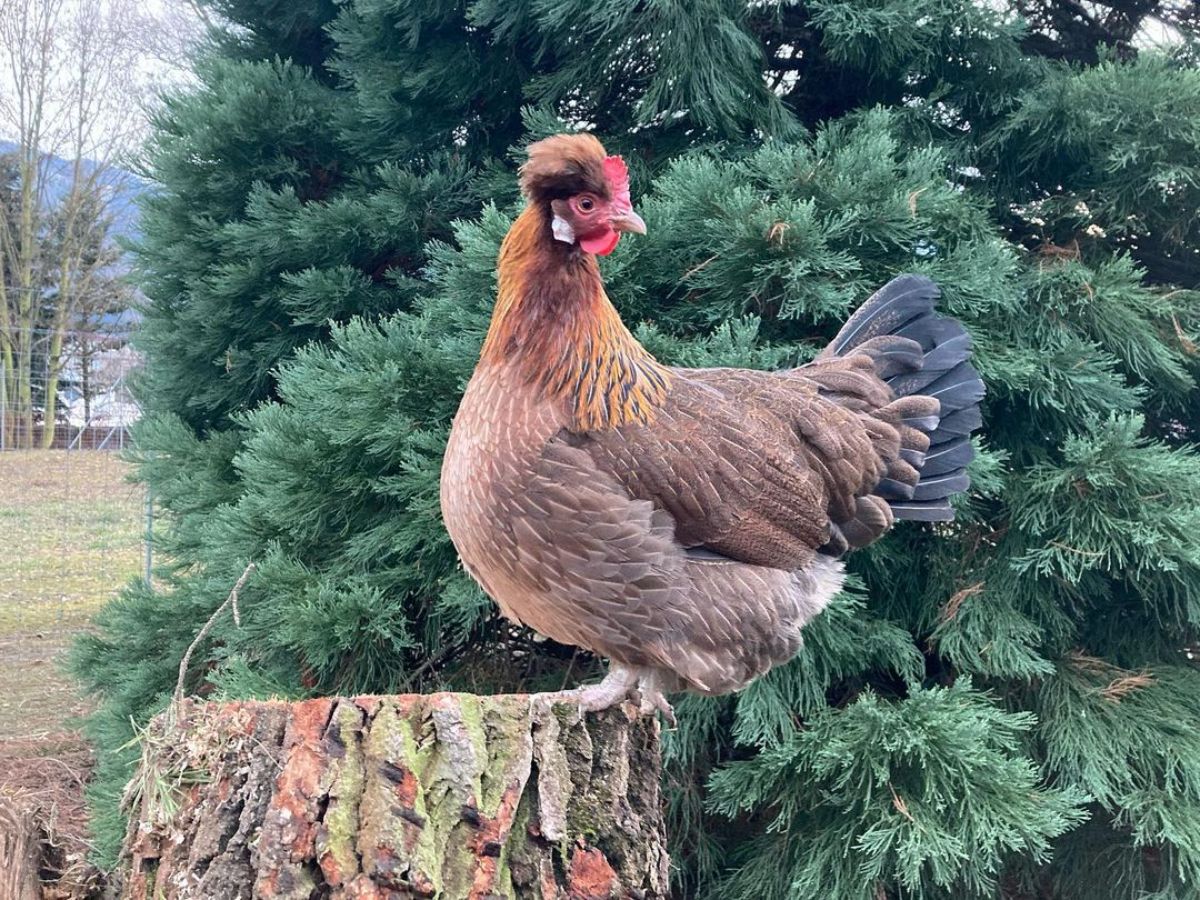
(1002, 706)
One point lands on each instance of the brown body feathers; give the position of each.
(686, 522)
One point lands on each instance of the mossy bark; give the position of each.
(447, 796)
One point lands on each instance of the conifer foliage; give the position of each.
(1002, 706)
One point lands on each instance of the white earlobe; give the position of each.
(562, 230)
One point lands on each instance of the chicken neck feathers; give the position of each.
(554, 324)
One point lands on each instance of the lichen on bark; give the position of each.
(447, 796)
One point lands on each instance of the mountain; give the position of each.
(58, 185)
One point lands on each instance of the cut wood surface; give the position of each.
(446, 795)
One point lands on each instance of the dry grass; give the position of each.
(71, 530)
(47, 780)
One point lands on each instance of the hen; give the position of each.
(684, 523)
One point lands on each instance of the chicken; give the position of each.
(684, 523)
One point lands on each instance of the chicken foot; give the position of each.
(650, 687)
(620, 682)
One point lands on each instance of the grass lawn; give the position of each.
(70, 536)
(71, 528)
(71, 531)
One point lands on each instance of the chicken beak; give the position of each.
(628, 220)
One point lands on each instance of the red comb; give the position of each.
(618, 181)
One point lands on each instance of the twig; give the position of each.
(950, 611)
(231, 600)
(901, 806)
(912, 201)
(432, 662)
(570, 667)
(696, 268)
(1060, 545)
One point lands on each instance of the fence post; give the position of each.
(3, 408)
(149, 537)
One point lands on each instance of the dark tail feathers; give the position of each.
(920, 355)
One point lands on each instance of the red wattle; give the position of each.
(601, 244)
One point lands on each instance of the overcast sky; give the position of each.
(149, 42)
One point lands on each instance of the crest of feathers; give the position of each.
(563, 165)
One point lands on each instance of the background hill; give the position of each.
(128, 185)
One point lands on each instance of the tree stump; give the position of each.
(447, 795)
(20, 853)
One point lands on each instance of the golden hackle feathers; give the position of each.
(554, 323)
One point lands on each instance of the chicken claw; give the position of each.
(618, 685)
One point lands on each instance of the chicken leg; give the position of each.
(617, 685)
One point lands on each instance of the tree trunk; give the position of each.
(6, 394)
(7, 361)
(85, 372)
(20, 853)
(24, 439)
(28, 295)
(50, 402)
(447, 795)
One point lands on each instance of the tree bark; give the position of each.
(20, 853)
(447, 795)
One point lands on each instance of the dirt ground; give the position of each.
(71, 534)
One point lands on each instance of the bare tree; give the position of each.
(103, 119)
(31, 63)
(74, 77)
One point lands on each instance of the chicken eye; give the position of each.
(587, 204)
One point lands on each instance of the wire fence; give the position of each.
(74, 391)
